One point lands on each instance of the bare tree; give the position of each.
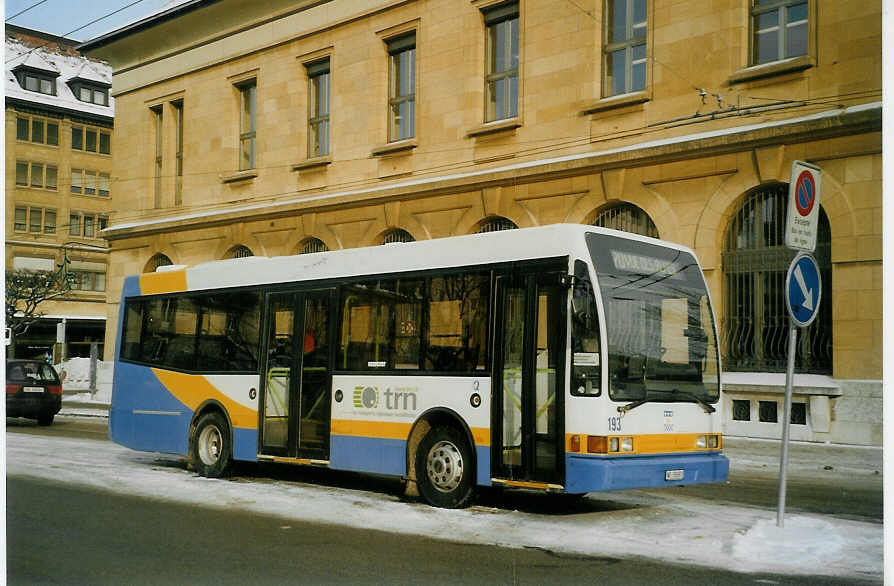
(27, 290)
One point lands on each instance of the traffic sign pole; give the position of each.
(786, 419)
(803, 293)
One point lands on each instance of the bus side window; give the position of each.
(585, 358)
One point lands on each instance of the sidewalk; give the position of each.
(84, 404)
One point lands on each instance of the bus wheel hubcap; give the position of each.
(209, 445)
(445, 466)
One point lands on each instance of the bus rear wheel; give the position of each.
(444, 468)
(211, 449)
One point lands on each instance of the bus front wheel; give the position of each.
(444, 468)
(211, 448)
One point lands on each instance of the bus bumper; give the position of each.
(597, 473)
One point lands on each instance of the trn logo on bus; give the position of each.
(398, 399)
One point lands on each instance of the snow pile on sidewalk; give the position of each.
(75, 373)
(620, 524)
(831, 546)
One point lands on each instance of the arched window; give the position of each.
(755, 263)
(626, 217)
(239, 251)
(496, 224)
(157, 260)
(312, 245)
(397, 235)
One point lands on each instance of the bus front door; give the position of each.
(295, 399)
(528, 428)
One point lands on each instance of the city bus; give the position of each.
(564, 358)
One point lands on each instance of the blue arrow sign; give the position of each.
(802, 290)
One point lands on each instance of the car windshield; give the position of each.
(661, 341)
(30, 371)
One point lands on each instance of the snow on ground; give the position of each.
(620, 524)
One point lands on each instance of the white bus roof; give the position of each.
(550, 241)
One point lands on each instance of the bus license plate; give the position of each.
(33, 389)
(673, 475)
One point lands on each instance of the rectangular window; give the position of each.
(211, 333)
(36, 223)
(105, 143)
(178, 155)
(85, 94)
(22, 128)
(402, 88)
(89, 182)
(36, 175)
(51, 177)
(22, 173)
(102, 223)
(103, 184)
(779, 30)
(624, 50)
(77, 180)
(88, 226)
(47, 87)
(49, 221)
(438, 324)
(74, 224)
(53, 133)
(248, 120)
(741, 410)
(89, 281)
(318, 76)
(502, 51)
(767, 411)
(799, 414)
(21, 219)
(90, 140)
(157, 119)
(77, 138)
(36, 130)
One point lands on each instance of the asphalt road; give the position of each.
(58, 534)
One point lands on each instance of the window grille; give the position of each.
(754, 328)
(158, 260)
(628, 218)
(240, 252)
(496, 224)
(397, 235)
(312, 245)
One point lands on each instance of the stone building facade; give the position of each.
(278, 128)
(59, 119)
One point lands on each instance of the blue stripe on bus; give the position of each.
(368, 454)
(590, 474)
(245, 444)
(387, 456)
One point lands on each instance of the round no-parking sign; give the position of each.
(803, 207)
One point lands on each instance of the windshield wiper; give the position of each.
(675, 392)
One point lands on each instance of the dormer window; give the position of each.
(37, 81)
(92, 94)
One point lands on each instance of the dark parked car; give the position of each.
(33, 390)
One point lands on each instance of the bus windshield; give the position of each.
(661, 341)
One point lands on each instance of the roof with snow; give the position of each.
(54, 57)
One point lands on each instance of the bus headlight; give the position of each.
(613, 444)
(701, 442)
(713, 441)
(627, 444)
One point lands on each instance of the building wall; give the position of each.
(568, 154)
(82, 251)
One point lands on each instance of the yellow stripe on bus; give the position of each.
(391, 430)
(165, 282)
(192, 390)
